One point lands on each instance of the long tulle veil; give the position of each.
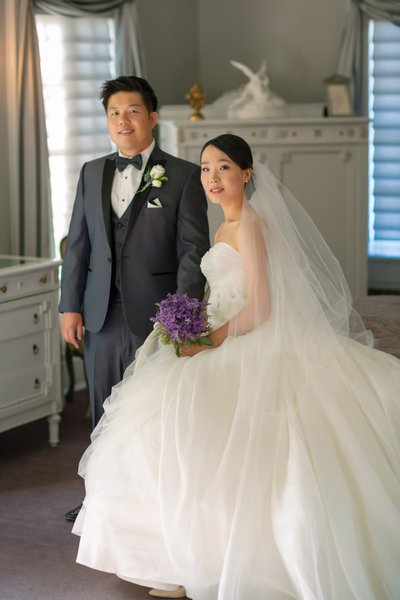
(294, 279)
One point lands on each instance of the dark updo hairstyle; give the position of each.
(233, 146)
(129, 83)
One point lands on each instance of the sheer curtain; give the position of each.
(31, 218)
(76, 56)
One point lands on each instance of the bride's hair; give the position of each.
(233, 146)
(250, 243)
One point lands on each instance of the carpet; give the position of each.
(38, 484)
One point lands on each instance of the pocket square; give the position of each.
(154, 203)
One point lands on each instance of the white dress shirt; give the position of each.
(126, 183)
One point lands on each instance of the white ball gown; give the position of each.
(265, 469)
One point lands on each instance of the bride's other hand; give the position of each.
(192, 350)
(217, 337)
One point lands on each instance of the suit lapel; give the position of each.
(156, 158)
(108, 176)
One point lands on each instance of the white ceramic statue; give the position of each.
(255, 99)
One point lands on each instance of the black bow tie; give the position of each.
(123, 162)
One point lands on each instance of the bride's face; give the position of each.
(222, 179)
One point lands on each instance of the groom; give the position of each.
(138, 231)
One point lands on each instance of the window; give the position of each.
(76, 56)
(384, 111)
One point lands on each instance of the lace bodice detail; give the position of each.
(222, 266)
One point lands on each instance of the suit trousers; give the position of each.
(107, 354)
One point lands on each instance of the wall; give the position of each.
(170, 45)
(190, 40)
(300, 41)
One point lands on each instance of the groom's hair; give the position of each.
(130, 83)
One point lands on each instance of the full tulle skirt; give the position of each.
(243, 481)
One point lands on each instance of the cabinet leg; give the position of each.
(54, 436)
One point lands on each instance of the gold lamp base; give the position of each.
(196, 116)
(196, 97)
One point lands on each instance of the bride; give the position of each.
(267, 466)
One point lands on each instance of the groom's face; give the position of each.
(130, 125)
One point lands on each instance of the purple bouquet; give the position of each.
(181, 320)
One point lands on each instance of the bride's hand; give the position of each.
(217, 337)
(192, 350)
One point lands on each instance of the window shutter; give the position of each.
(385, 139)
(77, 56)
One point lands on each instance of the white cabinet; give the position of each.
(30, 386)
(322, 161)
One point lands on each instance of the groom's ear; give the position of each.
(153, 119)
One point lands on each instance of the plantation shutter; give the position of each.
(77, 56)
(385, 140)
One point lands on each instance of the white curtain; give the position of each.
(76, 57)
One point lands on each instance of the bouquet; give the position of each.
(181, 321)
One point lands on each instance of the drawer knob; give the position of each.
(43, 279)
(35, 349)
(36, 318)
(3, 289)
(37, 384)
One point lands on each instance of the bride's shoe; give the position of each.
(178, 593)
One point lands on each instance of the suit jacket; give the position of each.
(162, 248)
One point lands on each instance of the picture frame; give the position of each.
(338, 96)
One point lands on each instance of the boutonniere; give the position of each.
(154, 177)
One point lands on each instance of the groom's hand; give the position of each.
(72, 328)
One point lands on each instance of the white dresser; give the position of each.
(322, 161)
(30, 386)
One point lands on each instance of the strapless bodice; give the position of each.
(223, 268)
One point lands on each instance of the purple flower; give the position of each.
(182, 320)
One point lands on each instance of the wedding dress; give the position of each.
(264, 469)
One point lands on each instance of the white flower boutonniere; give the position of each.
(154, 177)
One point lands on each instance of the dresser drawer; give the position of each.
(27, 284)
(24, 385)
(24, 353)
(25, 317)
